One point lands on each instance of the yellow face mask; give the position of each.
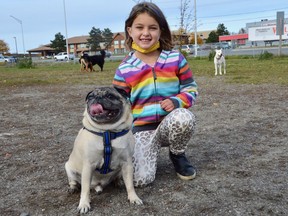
(145, 51)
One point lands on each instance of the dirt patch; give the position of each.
(239, 149)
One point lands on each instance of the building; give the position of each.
(117, 45)
(234, 40)
(186, 38)
(265, 30)
(78, 44)
(44, 51)
(203, 34)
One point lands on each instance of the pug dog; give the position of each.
(103, 148)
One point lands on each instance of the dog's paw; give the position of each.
(84, 208)
(74, 189)
(118, 182)
(135, 200)
(98, 189)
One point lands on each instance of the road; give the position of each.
(247, 51)
(226, 52)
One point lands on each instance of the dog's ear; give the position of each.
(88, 95)
(103, 53)
(122, 92)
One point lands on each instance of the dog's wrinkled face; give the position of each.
(218, 53)
(105, 105)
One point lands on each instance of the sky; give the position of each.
(42, 19)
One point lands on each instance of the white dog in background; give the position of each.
(219, 60)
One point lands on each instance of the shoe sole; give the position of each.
(186, 178)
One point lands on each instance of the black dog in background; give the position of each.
(87, 62)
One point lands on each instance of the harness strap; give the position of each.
(220, 56)
(107, 137)
(107, 153)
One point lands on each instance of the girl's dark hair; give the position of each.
(155, 12)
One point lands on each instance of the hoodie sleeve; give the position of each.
(188, 87)
(119, 82)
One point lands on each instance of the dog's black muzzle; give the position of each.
(106, 108)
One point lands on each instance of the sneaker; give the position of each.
(183, 168)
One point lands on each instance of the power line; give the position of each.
(245, 13)
(251, 18)
(236, 20)
(237, 14)
(231, 17)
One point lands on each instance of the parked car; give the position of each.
(46, 57)
(2, 59)
(221, 45)
(176, 47)
(187, 48)
(225, 45)
(108, 54)
(192, 46)
(63, 56)
(14, 58)
(205, 47)
(9, 59)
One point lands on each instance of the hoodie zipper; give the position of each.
(155, 89)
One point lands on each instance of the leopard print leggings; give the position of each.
(174, 131)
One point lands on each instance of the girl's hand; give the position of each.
(167, 105)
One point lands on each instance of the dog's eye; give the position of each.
(110, 96)
(89, 97)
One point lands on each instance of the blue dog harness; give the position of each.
(107, 137)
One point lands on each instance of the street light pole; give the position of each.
(195, 32)
(20, 21)
(67, 48)
(16, 45)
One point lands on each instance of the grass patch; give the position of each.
(239, 70)
(56, 73)
(246, 70)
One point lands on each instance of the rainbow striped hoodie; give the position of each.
(147, 86)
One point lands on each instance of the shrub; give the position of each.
(265, 55)
(25, 63)
(211, 55)
(184, 53)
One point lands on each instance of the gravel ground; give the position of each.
(239, 149)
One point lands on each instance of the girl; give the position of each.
(161, 87)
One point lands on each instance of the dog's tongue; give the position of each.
(96, 109)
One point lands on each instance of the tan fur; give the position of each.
(87, 155)
(86, 65)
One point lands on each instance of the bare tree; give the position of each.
(185, 15)
(186, 18)
(242, 31)
(186, 21)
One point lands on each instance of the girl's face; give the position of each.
(145, 31)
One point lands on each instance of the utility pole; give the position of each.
(16, 45)
(20, 22)
(195, 29)
(67, 48)
(280, 29)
